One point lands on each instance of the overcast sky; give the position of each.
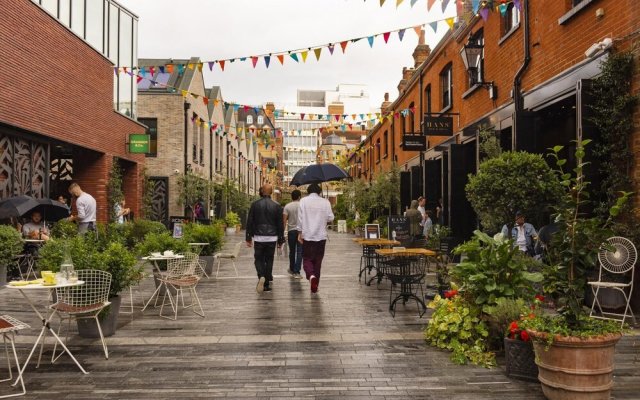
(220, 29)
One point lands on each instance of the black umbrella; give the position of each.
(317, 173)
(17, 206)
(52, 210)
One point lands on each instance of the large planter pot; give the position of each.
(208, 269)
(572, 368)
(520, 360)
(87, 327)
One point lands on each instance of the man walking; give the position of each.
(86, 206)
(290, 216)
(313, 215)
(265, 229)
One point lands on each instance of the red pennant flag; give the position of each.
(254, 61)
(221, 62)
(386, 36)
(343, 45)
(151, 69)
(205, 100)
(337, 117)
(301, 115)
(281, 58)
(430, 4)
(246, 108)
(138, 79)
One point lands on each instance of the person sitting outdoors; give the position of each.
(35, 229)
(522, 233)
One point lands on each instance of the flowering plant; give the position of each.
(517, 333)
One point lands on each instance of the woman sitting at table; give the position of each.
(35, 229)
(415, 219)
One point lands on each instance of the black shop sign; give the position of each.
(414, 143)
(437, 126)
(398, 227)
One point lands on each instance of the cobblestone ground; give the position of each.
(341, 343)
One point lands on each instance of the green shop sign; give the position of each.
(139, 144)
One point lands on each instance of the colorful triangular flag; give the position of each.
(304, 55)
(267, 60)
(221, 62)
(445, 3)
(254, 61)
(401, 34)
(331, 47)
(370, 40)
(317, 52)
(430, 4)
(294, 56)
(281, 58)
(450, 22)
(343, 45)
(385, 36)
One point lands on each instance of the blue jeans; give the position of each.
(295, 252)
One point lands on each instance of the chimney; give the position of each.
(422, 51)
(269, 108)
(386, 103)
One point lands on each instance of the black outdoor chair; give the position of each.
(407, 273)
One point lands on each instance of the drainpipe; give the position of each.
(518, 99)
(186, 135)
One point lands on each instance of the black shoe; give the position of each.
(267, 289)
(290, 272)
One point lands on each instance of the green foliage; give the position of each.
(199, 233)
(456, 325)
(489, 143)
(64, 229)
(437, 234)
(494, 269)
(122, 265)
(341, 209)
(114, 188)
(357, 198)
(511, 182)
(612, 108)
(574, 248)
(192, 188)
(159, 242)
(140, 228)
(10, 244)
(147, 195)
(504, 312)
(232, 219)
(586, 326)
(385, 190)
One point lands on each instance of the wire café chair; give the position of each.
(8, 328)
(184, 275)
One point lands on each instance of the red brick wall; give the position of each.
(58, 86)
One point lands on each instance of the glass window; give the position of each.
(385, 144)
(152, 131)
(476, 67)
(260, 120)
(446, 87)
(427, 97)
(511, 19)
(64, 12)
(77, 17)
(113, 33)
(51, 6)
(125, 57)
(249, 119)
(95, 21)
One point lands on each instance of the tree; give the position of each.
(192, 188)
(510, 182)
(114, 188)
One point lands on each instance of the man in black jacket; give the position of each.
(264, 230)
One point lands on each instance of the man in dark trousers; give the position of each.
(265, 230)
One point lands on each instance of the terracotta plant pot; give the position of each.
(573, 368)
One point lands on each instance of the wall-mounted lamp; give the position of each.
(471, 54)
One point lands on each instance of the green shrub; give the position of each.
(159, 242)
(82, 250)
(141, 227)
(123, 266)
(10, 244)
(198, 233)
(64, 229)
(232, 219)
(456, 325)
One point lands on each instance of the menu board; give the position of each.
(372, 231)
(398, 228)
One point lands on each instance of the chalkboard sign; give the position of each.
(177, 230)
(398, 228)
(372, 231)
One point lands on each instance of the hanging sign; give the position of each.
(437, 126)
(414, 143)
(139, 143)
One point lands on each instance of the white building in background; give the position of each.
(302, 137)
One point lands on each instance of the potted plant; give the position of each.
(11, 245)
(211, 234)
(574, 352)
(232, 220)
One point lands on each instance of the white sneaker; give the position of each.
(260, 286)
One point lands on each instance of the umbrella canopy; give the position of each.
(17, 206)
(52, 210)
(317, 173)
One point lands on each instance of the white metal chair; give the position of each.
(83, 302)
(233, 256)
(161, 286)
(185, 275)
(8, 328)
(617, 259)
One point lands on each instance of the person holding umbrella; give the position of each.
(35, 229)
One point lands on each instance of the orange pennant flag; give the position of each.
(318, 51)
(215, 102)
(343, 45)
(281, 58)
(200, 67)
(418, 29)
(221, 62)
(430, 4)
(304, 55)
(169, 68)
(450, 22)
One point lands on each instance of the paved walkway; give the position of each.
(341, 343)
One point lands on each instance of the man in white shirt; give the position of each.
(421, 204)
(313, 215)
(86, 206)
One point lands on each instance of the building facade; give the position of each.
(62, 118)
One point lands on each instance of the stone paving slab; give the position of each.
(341, 343)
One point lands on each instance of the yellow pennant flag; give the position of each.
(200, 67)
(450, 22)
(184, 93)
(304, 55)
(190, 65)
(215, 102)
(318, 51)
(398, 2)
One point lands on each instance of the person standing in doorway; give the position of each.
(122, 213)
(290, 217)
(314, 213)
(265, 230)
(86, 206)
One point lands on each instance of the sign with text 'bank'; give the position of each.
(437, 126)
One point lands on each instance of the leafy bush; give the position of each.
(141, 227)
(123, 266)
(198, 233)
(493, 269)
(232, 219)
(456, 325)
(159, 242)
(10, 244)
(64, 229)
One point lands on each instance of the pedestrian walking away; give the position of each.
(290, 217)
(265, 230)
(86, 206)
(314, 214)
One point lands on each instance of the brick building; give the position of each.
(63, 114)
(526, 84)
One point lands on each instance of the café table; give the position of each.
(46, 320)
(157, 272)
(406, 267)
(367, 263)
